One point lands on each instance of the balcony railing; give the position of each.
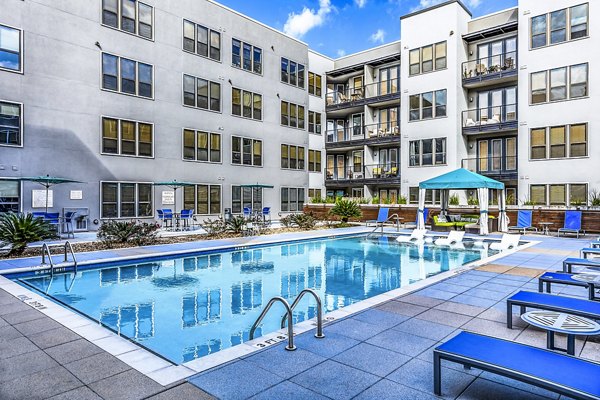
(352, 95)
(494, 118)
(499, 167)
(374, 171)
(361, 132)
(490, 67)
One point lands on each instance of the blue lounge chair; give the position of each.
(425, 216)
(572, 223)
(551, 302)
(382, 217)
(569, 376)
(589, 250)
(570, 262)
(524, 221)
(548, 278)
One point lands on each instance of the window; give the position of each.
(126, 200)
(578, 194)
(537, 194)
(129, 16)
(10, 196)
(558, 148)
(314, 193)
(246, 151)
(558, 195)
(292, 157)
(538, 87)
(201, 40)
(554, 26)
(578, 140)
(127, 76)
(538, 144)
(128, 138)
(201, 146)
(427, 58)
(427, 152)
(578, 80)
(564, 141)
(427, 105)
(11, 124)
(558, 84)
(245, 197)
(203, 199)
(201, 93)
(314, 122)
(314, 161)
(314, 84)
(292, 73)
(292, 199)
(292, 115)
(577, 84)
(246, 56)
(10, 49)
(246, 104)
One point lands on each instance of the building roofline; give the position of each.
(445, 3)
(320, 54)
(367, 50)
(494, 13)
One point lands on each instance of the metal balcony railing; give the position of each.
(492, 166)
(489, 117)
(351, 95)
(495, 64)
(372, 171)
(360, 132)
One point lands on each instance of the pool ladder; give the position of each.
(288, 316)
(389, 218)
(68, 248)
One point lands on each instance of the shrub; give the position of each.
(402, 199)
(213, 227)
(454, 200)
(473, 201)
(287, 221)
(303, 220)
(387, 200)
(330, 200)
(595, 198)
(317, 200)
(346, 209)
(140, 233)
(375, 200)
(235, 224)
(18, 230)
(527, 202)
(363, 200)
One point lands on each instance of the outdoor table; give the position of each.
(571, 325)
(546, 227)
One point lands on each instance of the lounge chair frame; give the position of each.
(568, 264)
(562, 278)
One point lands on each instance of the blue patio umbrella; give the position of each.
(47, 181)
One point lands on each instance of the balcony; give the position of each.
(356, 97)
(490, 119)
(496, 69)
(357, 136)
(366, 175)
(500, 168)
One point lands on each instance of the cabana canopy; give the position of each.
(462, 179)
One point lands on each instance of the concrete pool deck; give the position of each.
(383, 351)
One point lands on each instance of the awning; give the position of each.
(461, 179)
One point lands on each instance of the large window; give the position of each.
(563, 83)
(428, 105)
(10, 196)
(201, 93)
(246, 197)
(246, 104)
(314, 161)
(292, 73)
(11, 49)
(561, 141)
(201, 40)
(129, 16)
(246, 151)
(246, 56)
(314, 122)
(427, 152)
(201, 146)
(559, 26)
(203, 199)
(563, 194)
(292, 115)
(292, 199)
(127, 138)
(315, 84)
(126, 200)
(127, 76)
(11, 124)
(428, 58)
(292, 157)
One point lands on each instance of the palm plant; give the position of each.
(346, 209)
(18, 230)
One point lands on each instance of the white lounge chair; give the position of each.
(417, 235)
(508, 242)
(453, 238)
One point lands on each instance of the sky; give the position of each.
(340, 27)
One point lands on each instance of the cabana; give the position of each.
(462, 179)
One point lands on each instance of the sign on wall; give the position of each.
(76, 195)
(38, 198)
(168, 197)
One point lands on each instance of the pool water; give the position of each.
(190, 306)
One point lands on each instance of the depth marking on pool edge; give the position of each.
(35, 304)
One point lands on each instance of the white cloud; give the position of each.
(360, 3)
(474, 3)
(297, 25)
(428, 3)
(341, 52)
(378, 36)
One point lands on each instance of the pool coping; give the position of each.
(165, 372)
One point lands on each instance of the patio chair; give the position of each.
(524, 221)
(41, 215)
(551, 302)
(568, 375)
(167, 217)
(382, 216)
(67, 224)
(247, 212)
(417, 236)
(425, 216)
(508, 242)
(453, 238)
(185, 216)
(569, 263)
(572, 223)
(54, 220)
(266, 215)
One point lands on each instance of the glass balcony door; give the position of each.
(497, 155)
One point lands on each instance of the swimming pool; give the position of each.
(190, 306)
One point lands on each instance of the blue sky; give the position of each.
(339, 27)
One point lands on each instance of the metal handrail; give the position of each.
(46, 250)
(290, 346)
(319, 333)
(389, 218)
(69, 247)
